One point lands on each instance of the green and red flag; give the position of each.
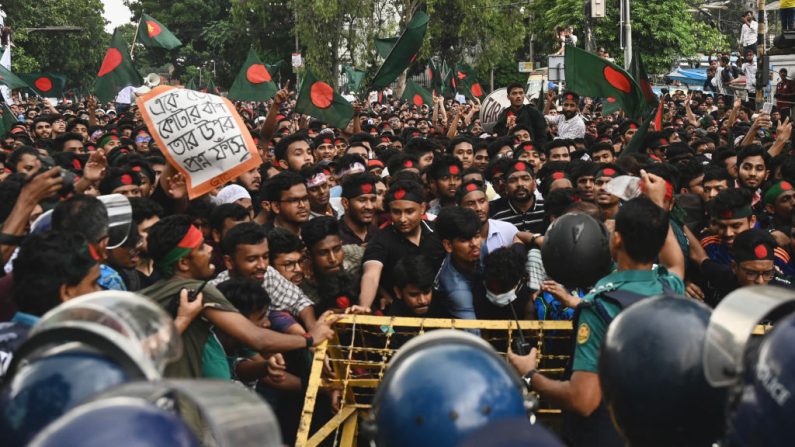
(355, 78)
(11, 80)
(590, 75)
(436, 77)
(8, 120)
(117, 70)
(384, 45)
(50, 85)
(403, 53)
(467, 82)
(254, 82)
(154, 34)
(319, 100)
(416, 95)
(638, 71)
(638, 140)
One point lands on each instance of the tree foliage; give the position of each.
(77, 55)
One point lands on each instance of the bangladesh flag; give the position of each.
(467, 82)
(117, 70)
(417, 95)
(590, 75)
(50, 85)
(636, 144)
(404, 53)
(434, 73)
(318, 99)
(355, 78)
(273, 68)
(254, 82)
(8, 120)
(638, 71)
(11, 80)
(154, 34)
(384, 46)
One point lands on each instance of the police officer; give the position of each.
(642, 232)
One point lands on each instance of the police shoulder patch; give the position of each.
(583, 333)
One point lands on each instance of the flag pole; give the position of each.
(135, 36)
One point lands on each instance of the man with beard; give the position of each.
(570, 123)
(522, 209)
(251, 180)
(752, 169)
(495, 233)
(460, 279)
(289, 201)
(608, 203)
(521, 114)
(246, 255)
(41, 129)
(407, 235)
(444, 178)
(145, 213)
(293, 153)
(779, 200)
(317, 186)
(359, 199)
(324, 147)
(183, 259)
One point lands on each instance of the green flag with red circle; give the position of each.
(49, 85)
(154, 34)
(319, 100)
(254, 82)
(416, 95)
(403, 53)
(467, 82)
(590, 75)
(117, 70)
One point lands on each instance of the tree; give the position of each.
(77, 55)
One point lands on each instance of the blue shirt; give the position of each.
(109, 279)
(459, 289)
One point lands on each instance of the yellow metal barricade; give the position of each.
(364, 344)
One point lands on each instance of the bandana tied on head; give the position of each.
(519, 166)
(606, 172)
(317, 180)
(754, 245)
(192, 239)
(776, 190)
(404, 194)
(354, 168)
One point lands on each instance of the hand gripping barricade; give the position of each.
(148, 413)
(758, 372)
(442, 386)
(80, 348)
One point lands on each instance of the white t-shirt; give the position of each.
(571, 129)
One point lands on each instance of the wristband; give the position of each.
(11, 239)
(309, 340)
(528, 379)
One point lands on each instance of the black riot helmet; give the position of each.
(653, 379)
(576, 250)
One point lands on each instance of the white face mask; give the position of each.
(502, 299)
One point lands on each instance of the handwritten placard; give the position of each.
(201, 135)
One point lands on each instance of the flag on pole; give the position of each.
(639, 139)
(355, 78)
(384, 45)
(467, 82)
(404, 53)
(590, 75)
(254, 82)
(50, 85)
(638, 71)
(11, 80)
(5, 61)
(319, 100)
(154, 34)
(417, 95)
(117, 70)
(8, 120)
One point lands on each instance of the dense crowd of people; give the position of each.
(414, 211)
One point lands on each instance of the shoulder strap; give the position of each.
(621, 298)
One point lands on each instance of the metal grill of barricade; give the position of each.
(364, 344)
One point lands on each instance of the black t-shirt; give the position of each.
(388, 246)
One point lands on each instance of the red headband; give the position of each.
(192, 239)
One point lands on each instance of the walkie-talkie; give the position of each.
(519, 345)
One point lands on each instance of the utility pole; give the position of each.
(761, 58)
(627, 28)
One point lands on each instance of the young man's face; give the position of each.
(319, 196)
(464, 250)
(416, 299)
(249, 261)
(560, 153)
(711, 188)
(251, 180)
(445, 187)
(516, 95)
(603, 156)
(360, 151)
(522, 135)
(361, 208)
(481, 159)
(585, 187)
(86, 285)
(406, 215)
(425, 160)
(290, 265)
(604, 198)
(463, 151)
(752, 172)
(143, 230)
(520, 186)
(293, 206)
(42, 130)
(477, 202)
(754, 273)
(570, 109)
(327, 255)
(728, 229)
(298, 155)
(199, 263)
(325, 151)
(783, 206)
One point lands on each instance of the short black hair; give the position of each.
(15, 156)
(504, 266)
(602, 146)
(82, 214)
(454, 222)
(144, 208)
(554, 144)
(276, 185)
(558, 201)
(728, 200)
(440, 168)
(280, 151)
(282, 240)
(580, 168)
(225, 211)
(246, 233)
(318, 229)
(414, 270)
(354, 182)
(643, 227)
(397, 162)
(458, 140)
(166, 234)
(44, 263)
(753, 150)
(512, 86)
(713, 172)
(419, 146)
(247, 295)
(68, 136)
(499, 143)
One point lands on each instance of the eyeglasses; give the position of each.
(296, 200)
(753, 275)
(292, 265)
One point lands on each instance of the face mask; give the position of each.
(502, 299)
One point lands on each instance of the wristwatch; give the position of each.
(309, 340)
(528, 379)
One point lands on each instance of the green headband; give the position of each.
(776, 190)
(736, 213)
(192, 239)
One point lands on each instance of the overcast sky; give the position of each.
(116, 13)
